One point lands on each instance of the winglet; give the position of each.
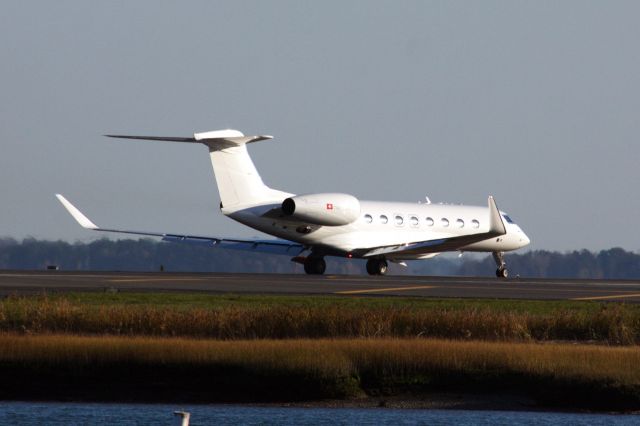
(77, 214)
(496, 225)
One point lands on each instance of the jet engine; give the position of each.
(322, 209)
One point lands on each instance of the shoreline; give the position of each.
(430, 401)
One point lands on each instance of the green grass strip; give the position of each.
(233, 317)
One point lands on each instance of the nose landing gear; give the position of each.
(502, 271)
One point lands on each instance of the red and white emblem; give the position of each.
(329, 206)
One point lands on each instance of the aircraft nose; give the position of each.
(524, 240)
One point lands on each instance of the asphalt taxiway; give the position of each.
(30, 282)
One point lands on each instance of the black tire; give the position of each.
(315, 266)
(370, 269)
(502, 273)
(377, 266)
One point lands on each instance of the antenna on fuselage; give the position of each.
(427, 199)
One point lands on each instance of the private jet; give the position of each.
(310, 227)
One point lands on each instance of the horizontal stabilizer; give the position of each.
(154, 138)
(234, 137)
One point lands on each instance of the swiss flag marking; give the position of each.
(329, 206)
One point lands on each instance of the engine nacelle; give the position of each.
(322, 209)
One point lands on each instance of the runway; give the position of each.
(34, 282)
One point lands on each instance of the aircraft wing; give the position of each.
(264, 246)
(496, 229)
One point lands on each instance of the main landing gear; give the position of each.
(502, 271)
(377, 266)
(315, 265)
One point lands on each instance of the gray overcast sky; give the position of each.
(536, 103)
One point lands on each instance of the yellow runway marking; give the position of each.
(380, 290)
(615, 296)
(541, 290)
(147, 280)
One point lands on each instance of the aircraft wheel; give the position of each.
(315, 265)
(502, 273)
(377, 266)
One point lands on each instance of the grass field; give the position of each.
(231, 348)
(143, 368)
(230, 317)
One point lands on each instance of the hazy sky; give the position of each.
(536, 103)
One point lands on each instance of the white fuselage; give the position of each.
(387, 223)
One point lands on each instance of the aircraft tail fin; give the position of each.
(238, 180)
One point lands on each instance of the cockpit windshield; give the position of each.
(508, 219)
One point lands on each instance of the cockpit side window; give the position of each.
(507, 218)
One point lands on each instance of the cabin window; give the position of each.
(399, 220)
(430, 221)
(444, 222)
(414, 221)
(460, 223)
(384, 219)
(475, 223)
(368, 218)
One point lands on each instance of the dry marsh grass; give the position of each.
(323, 368)
(614, 324)
(393, 357)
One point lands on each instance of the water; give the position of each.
(28, 413)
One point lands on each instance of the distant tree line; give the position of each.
(151, 255)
